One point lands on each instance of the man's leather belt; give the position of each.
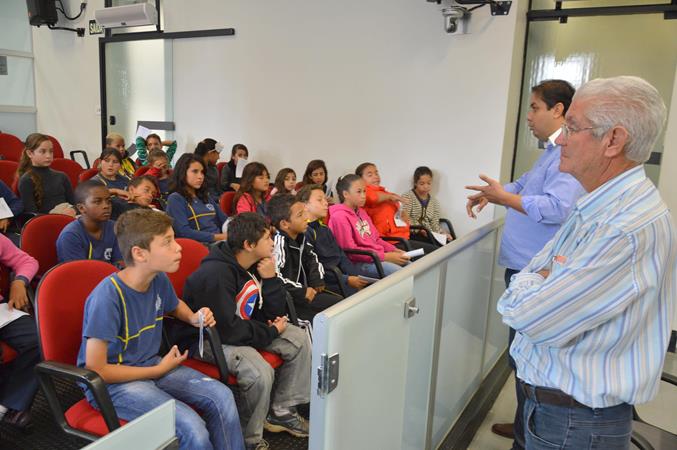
(549, 396)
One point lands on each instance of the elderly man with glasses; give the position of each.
(592, 309)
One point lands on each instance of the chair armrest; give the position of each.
(669, 378)
(84, 155)
(372, 255)
(398, 240)
(448, 224)
(339, 278)
(217, 350)
(47, 371)
(428, 233)
(291, 309)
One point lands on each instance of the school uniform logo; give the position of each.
(158, 304)
(210, 206)
(108, 254)
(246, 300)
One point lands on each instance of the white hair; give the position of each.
(628, 102)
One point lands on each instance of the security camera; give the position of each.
(454, 18)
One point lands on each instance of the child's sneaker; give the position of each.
(292, 423)
(261, 445)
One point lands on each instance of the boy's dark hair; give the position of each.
(153, 136)
(205, 146)
(553, 92)
(156, 154)
(420, 171)
(108, 151)
(344, 184)
(178, 179)
(137, 228)
(237, 147)
(362, 167)
(279, 208)
(82, 190)
(279, 180)
(246, 227)
(313, 166)
(136, 181)
(249, 174)
(306, 191)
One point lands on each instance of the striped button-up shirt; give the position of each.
(597, 327)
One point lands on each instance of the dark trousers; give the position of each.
(518, 427)
(415, 245)
(18, 383)
(306, 310)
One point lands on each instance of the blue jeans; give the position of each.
(217, 426)
(556, 427)
(369, 269)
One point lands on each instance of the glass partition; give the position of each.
(410, 350)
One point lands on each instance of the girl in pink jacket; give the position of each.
(353, 229)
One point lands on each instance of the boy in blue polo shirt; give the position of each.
(122, 331)
(91, 236)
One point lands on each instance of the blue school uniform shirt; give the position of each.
(75, 243)
(195, 219)
(129, 321)
(120, 182)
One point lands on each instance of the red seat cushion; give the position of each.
(82, 416)
(208, 369)
(273, 359)
(8, 353)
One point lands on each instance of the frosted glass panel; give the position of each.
(466, 304)
(17, 87)
(18, 124)
(497, 332)
(15, 31)
(591, 47)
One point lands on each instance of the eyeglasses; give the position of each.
(567, 130)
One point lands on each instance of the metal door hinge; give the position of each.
(327, 374)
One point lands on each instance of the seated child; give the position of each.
(253, 193)
(316, 173)
(421, 207)
(228, 181)
(137, 379)
(324, 242)
(18, 382)
(15, 205)
(140, 194)
(159, 168)
(196, 215)
(382, 207)
(238, 281)
(127, 166)
(109, 172)
(285, 182)
(353, 229)
(209, 151)
(91, 236)
(295, 258)
(42, 189)
(153, 142)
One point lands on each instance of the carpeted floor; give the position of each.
(45, 434)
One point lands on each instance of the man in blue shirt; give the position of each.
(538, 202)
(592, 309)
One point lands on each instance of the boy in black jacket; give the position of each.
(239, 283)
(296, 261)
(328, 251)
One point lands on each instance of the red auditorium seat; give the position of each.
(71, 168)
(226, 202)
(38, 239)
(10, 147)
(8, 172)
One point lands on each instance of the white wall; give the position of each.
(348, 82)
(361, 81)
(67, 82)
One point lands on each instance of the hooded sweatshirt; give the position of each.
(355, 230)
(328, 250)
(241, 301)
(297, 265)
